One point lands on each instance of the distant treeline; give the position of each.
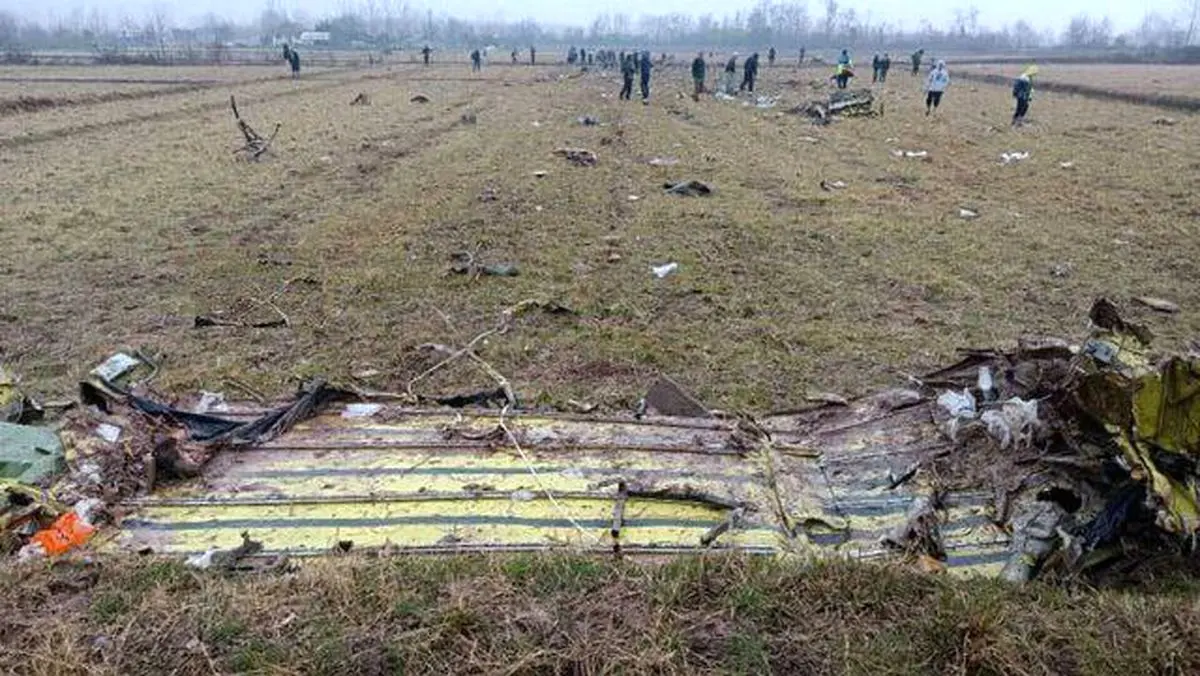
(384, 25)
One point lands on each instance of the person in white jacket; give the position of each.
(935, 86)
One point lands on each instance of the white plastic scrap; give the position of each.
(967, 214)
(910, 153)
(1066, 165)
(1015, 156)
(661, 271)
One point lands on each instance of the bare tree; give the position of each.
(1192, 18)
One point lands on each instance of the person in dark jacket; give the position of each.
(1023, 92)
(802, 50)
(287, 53)
(425, 53)
(532, 56)
(749, 73)
(916, 61)
(514, 57)
(699, 74)
(572, 56)
(730, 73)
(627, 70)
(876, 67)
(294, 60)
(885, 65)
(646, 65)
(771, 57)
(476, 61)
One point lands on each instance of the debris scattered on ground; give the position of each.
(1061, 270)
(830, 186)
(662, 161)
(539, 174)
(911, 154)
(661, 271)
(761, 102)
(1066, 165)
(1015, 156)
(15, 405)
(580, 157)
(967, 214)
(1157, 304)
(29, 454)
(688, 189)
(361, 100)
(419, 98)
(467, 263)
(228, 559)
(1166, 121)
(634, 198)
(489, 195)
(256, 145)
(666, 397)
(468, 117)
(808, 139)
(827, 398)
(854, 103)
(588, 121)
(361, 410)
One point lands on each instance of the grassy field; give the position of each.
(556, 615)
(124, 220)
(1134, 78)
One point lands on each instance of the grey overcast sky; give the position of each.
(1043, 14)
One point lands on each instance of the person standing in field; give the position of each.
(532, 56)
(749, 73)
(294, 60)
(730, 73)
(476, 61)
(699, 74)
(287, 53)
(802, 57)
(884, 66)
(844, 70)
(1023, 92)
(916, 61)
(935, 86)
(771, 57)
(646, 65)
(627, 68)
(876, 66)
(425, 54)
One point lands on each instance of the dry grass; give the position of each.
(1133, 78)
(528, 615)
(783, 288)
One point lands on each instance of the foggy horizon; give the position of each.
(1125, 16)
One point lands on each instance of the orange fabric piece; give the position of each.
(67, 533)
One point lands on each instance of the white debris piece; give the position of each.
(202, 561)
(1015, 156)
(958, 405)
(361, 410)
(662, 271)
(523, 496)
(210, 401)
(1066, 165)
(1015, 424)
(109, 433)
(967, 214)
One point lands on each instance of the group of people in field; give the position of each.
(640, 64)
(937, 81)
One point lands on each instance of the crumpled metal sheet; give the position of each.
(438, 481)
